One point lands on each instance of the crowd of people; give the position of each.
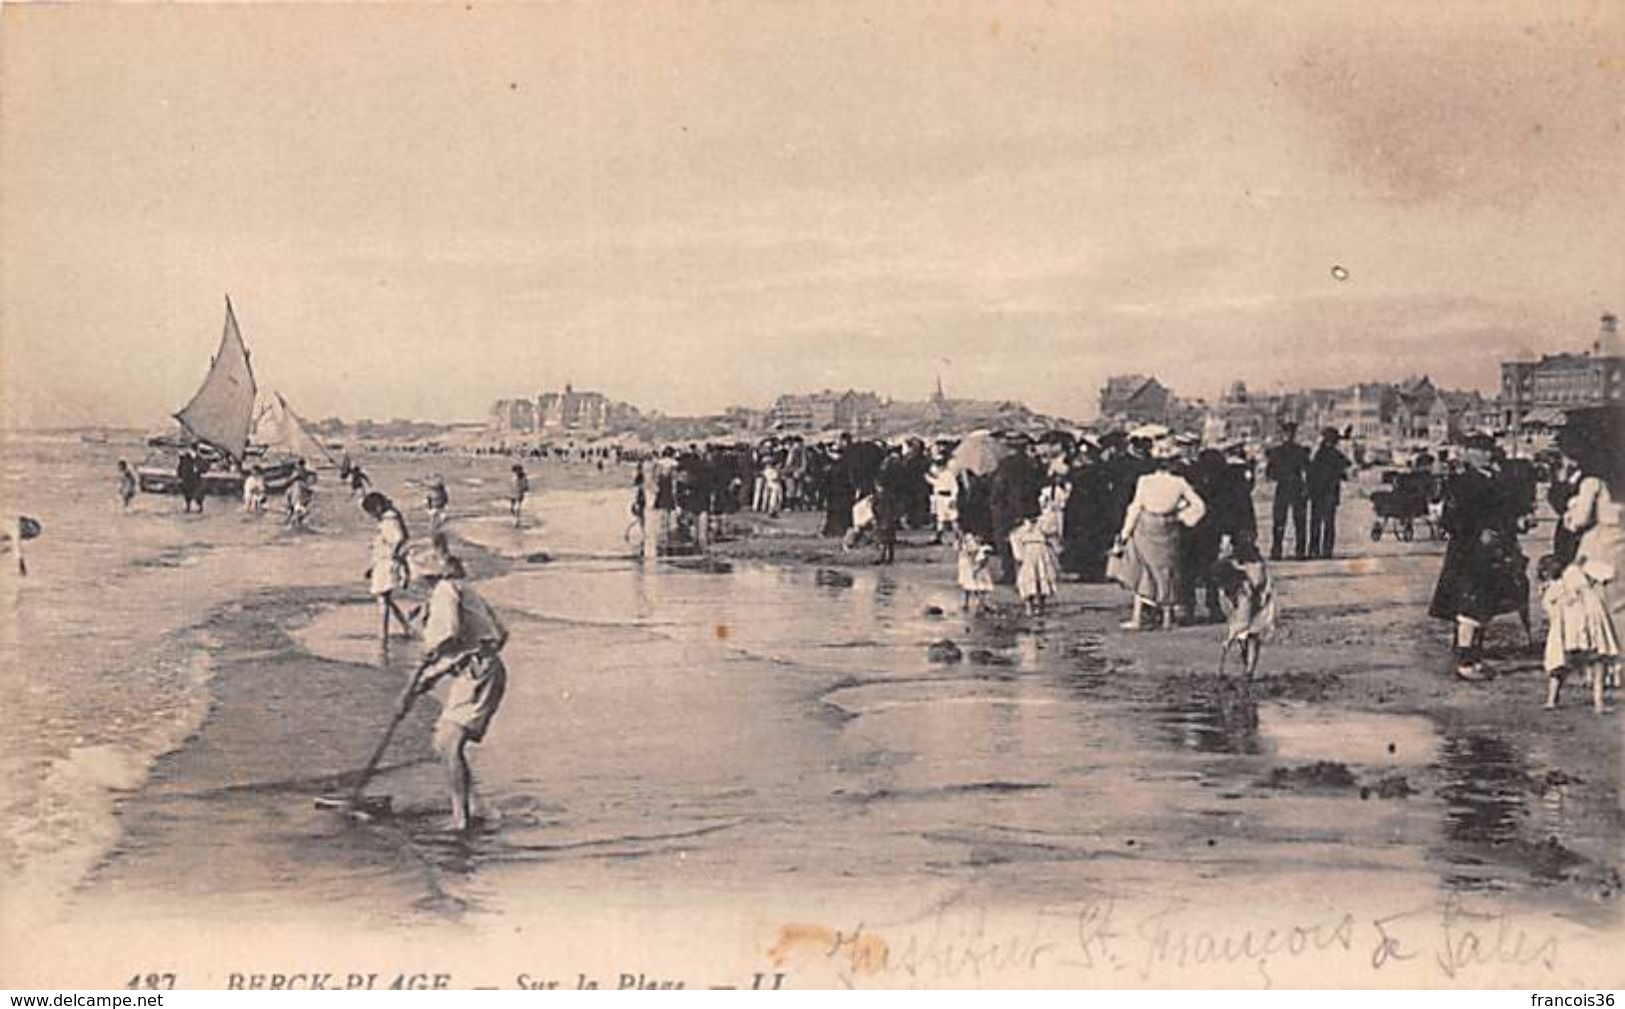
(1040, 507)
(1170, 521)
(1174, 523)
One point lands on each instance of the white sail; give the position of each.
(277, 427)
(222, 411)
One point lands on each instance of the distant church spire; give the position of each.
(938, 396)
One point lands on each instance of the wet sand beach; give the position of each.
(766, 729)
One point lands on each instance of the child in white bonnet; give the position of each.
(975, 576)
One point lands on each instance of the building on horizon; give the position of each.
(559, 413)
(1538, 390)
(1135, 399)
(852, 410)
(1413, 411)
(513, 415)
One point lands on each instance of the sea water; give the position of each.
(105, 664)
(671, 730)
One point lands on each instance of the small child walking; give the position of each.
(1037, 569)
(975, 571)
(1580, 633)
(516, 498)
(300, 497)
(126, 484)
(254, 491)
(436, 501)
(1248, 598)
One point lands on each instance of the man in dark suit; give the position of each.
(1288, 465)
(1327, 470)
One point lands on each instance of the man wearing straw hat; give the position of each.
(462, 641)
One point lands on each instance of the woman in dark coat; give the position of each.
(189, 474)
(1484, 571)
(840, 490)
(1208, 475)
(975, 507)
(1013, 496)
(890, 499)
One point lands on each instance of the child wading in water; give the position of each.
(975, 575)
(299, 498)
(1248, 598)
(462, 640)
(389, 573)
(1580, 635)
(254, 491)
(126, 484)
(516, 500)
(436, 501)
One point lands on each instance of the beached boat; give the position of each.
(217, 424)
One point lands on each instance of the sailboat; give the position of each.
(278, 429)
(216, 424)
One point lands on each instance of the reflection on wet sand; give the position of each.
(738, 728)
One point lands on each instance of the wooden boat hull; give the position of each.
(222, 483)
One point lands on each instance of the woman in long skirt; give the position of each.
(1146, 558)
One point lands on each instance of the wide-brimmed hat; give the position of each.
(1331, 434)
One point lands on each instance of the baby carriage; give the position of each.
(1405, 498)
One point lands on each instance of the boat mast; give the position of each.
(222, 411)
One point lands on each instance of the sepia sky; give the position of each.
(689, 205)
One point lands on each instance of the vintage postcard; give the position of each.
(761, 495)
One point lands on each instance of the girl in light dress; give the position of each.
(944, 499)
(1037, 569)
(254, 491)
(300, 497)
(389, 573)
(975, 571)
(436, 501)
(1580, 633)
(1248, 598)
(1052, 502)
(772, 488)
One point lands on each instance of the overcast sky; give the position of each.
(686, 205)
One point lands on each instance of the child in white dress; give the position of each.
(1580, 633)
(254, 491)
(944, 499)
(1248, 597)
(975, 574)
(1037, 569)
